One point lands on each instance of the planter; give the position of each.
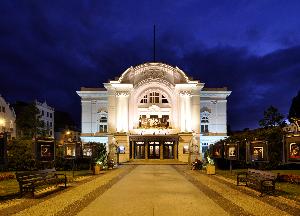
(210, 169)
(96, 169)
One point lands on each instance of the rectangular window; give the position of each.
(42, 112)
(204, 128)
(102, 128)
(50, 115)
(3, 109)
(50, 124)
(185, 149)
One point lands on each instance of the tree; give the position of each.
(272, 118)
(294, 111)
(28, 120)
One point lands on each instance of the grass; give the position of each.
(11, 186)
(286, 189)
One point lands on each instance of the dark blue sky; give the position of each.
(49, 49)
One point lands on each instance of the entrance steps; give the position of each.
(154, 162)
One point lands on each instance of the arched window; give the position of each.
(204, 121)
(154, 98)
(102, 122)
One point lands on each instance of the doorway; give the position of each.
(154, 150)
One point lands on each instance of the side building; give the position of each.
(7, 119)
(46, 116)
(154, 111)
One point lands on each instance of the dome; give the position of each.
(153, 71)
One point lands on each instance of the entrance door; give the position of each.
(139, 152)
(168, 150)
(153, 150)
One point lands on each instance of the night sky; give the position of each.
(49, 49)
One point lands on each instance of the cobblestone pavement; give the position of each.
(153, 190)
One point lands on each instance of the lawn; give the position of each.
(11, 186)
(285, 189)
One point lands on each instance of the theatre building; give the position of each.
(154, 111)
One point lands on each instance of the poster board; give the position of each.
(45, 150)
(217, 150)
(257, 151)
(231, 151)
(292, 148)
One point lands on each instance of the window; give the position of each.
(103, 123)
(42, 112)
(50, 124)
(204, 128)
(204, 121)
(185, 149)
(154, 97)
(121, 149)
(3, 109)
(164, 100)
(50, 115)
(204, 147)
(47, 114)
(145, 99)
(102, 128)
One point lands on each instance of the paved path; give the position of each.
(153, 190)
(144, 190)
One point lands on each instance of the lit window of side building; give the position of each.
(154, 111)
(7, 118)
(46, 116)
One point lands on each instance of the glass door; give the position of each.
(139, 152)
(154, 151)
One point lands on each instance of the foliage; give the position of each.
(20, 154)
(272, 135)
(294, 111)
(28, 120)
(99, 153)
(272, 118)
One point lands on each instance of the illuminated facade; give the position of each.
(154, 111)
(7, 118)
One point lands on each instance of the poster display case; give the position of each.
(45, 150)
(292, 148)
(231, 151)
(257, 151)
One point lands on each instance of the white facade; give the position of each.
(155, 111)
(7, 118)
(46, 116)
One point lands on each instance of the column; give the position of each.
(188, 122)
(146, 150)
(175, 150)
(161, 150)
(132, 149)
(122, 111)
(182, 112)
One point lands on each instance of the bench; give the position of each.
(263, 181)
(30, 180)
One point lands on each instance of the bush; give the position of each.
(21, 154)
